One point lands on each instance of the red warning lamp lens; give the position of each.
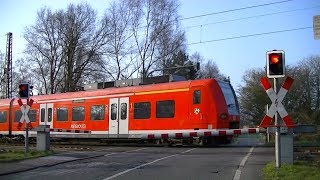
(24, 91)
(274, 58)
(275, 64)
(22, 87)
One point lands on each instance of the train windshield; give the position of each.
(230, 97)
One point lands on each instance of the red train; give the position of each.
(132, 111)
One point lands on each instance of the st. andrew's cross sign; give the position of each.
(24, 113)
(276, 105)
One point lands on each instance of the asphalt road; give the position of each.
(240, 161)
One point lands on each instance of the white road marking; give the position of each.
(110, 154)
(188, 151)
(142, 165)
(242, 163)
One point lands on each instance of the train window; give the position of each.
(142, 110)
(49, 114)
(123, 111)
(3, 116)
(78, 113)
(32, 115)
(17, 116)
(165, 109)
(197, 97)
(43, 114)
(114, 110)
(62, 114)
(230, 98)
(97, 112)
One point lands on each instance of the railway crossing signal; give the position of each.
(276, 105)
(275, 64)
(24, 114)
(24, 90)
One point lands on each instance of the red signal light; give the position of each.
(275, 64)
(22, 87)
(274, 58)
(24, 90)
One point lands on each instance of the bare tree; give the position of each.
(65, 47)
(81, 42)
(26, 72)
(197, 57)
(44, 49)
(118, 49)
(171, 44)
(152, 19)
(208, 68)
(2, 76)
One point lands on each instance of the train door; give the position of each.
(118, 116)
(196, 105)
(46, 114)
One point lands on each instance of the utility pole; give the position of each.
(8, 66)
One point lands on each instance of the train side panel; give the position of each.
(82, 114)
(175, 103)
(167, 107)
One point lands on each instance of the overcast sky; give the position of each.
(235, 34)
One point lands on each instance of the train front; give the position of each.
(223, 106)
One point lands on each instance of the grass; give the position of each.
(21, 155)
(297, 171)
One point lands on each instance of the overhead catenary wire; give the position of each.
(251, 17)
(227, 11)
(250, 35)
(236, 9)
